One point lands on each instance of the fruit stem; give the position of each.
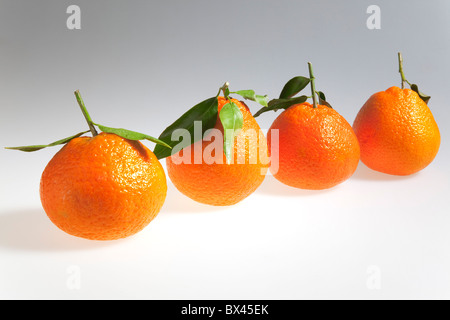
(224, 89)
(313, 85)
(86, 113)
(400, 69)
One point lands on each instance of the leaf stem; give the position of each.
(400, 69)
(313, 85)
(86, 113)
(225, 90)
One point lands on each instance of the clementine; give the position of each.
(217, 182)
(103, 188)
(106, 187)
(397, 132)
(317, 147)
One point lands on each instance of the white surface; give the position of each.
(280, 243)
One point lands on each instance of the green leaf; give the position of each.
(276, 104)
(227, 92)
(39, 147)
(262, 100)
(232, 121)
(323, 99)
(423, 96)
(251, 95)
(294, 86)
(205, 111)
(131, 135)
(321, 96)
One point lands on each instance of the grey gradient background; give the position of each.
(141, 64)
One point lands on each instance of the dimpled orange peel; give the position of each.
(317, 148)
(396, 130)
(105, 187)
(227, 175)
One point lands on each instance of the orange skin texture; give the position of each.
(103, 188)
(397, 132)
(222, 184)
(317, 147)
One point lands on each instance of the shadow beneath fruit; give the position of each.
(272, 186)
(365, 173)
(31, 230)
(176, 202)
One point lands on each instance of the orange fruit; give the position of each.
(103, 188)
(317, 147)
(216, 182)
(397, 132)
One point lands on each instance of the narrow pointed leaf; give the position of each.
(323, 99)
(422, 95)
(294, 86)
(277, 104)
(262, 100)
(227, 92)
(246, 94)
(39, 147)
(251, 95)
(321, 96)
(131, 135)
(205, 111)
(232, 121)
